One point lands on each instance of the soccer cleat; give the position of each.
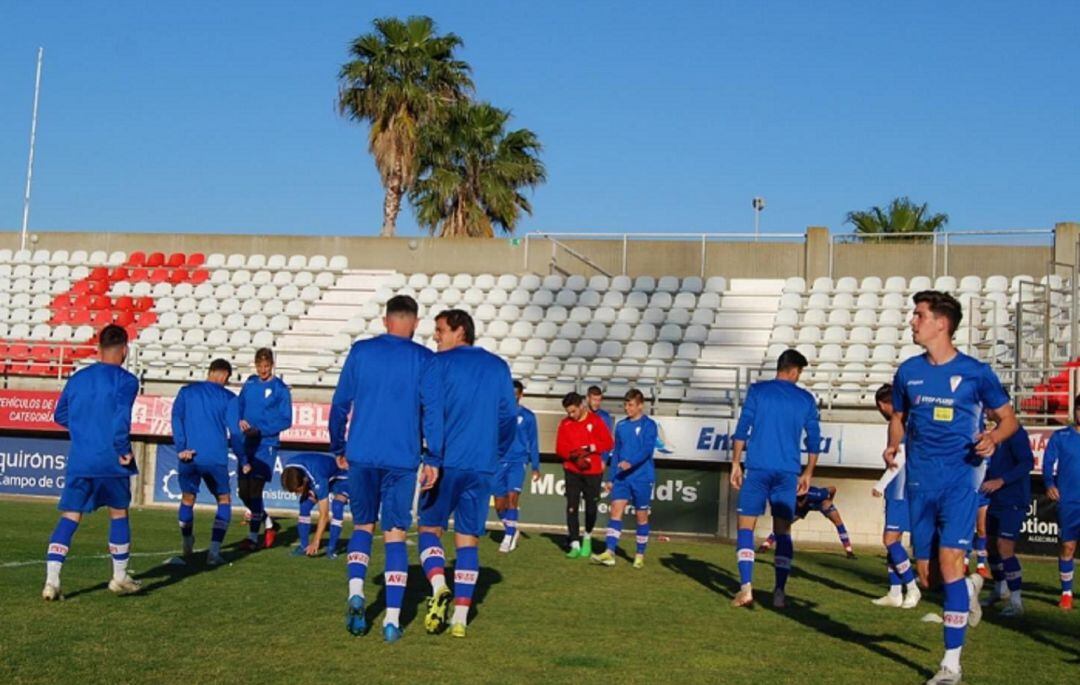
(299, 551)
(189, 545)
(605, 559)
(438, 606)
(457, 630)
(764, 547)
(574, 552)
(945, 676)
(984, 572)
(1012, 610)
(248, 545)
(639, 561)
(51, 593)
(270, 536)
(889, 600)
(974, 608)
(213, 559)
(586, 548)
(331, 553)
(392, 633)
(1066, 603)
(504, 546)
(912, 599)
(514, 540)
(355, 622)
(125, 586)
(779, 599)
(850, 554)
(744, 598)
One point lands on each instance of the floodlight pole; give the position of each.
(30, 161)
(758, 204)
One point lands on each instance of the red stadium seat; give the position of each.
(124, 318)
(119, 274)
(79, 317)
(146, 319)
(200, 276)
(155, 259)
(125, 303)
(178, 276)
(140, 275)
(196, 259)
(60, 316)
(143, 304)
(99, 273)
(97, 287)
(61, 301)
(100, 318)
(176, 259)
(41, 353)
(159, 275)
(137, 259)
(132, 331)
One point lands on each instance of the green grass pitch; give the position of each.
(269, 617)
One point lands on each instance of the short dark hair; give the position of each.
(942, 304)
(594, 390)
(518, 385)
(221, 365)
(634, 395)
(112, 336)
(264, 354)
(293, 479)
(459, 318)
(883, 394)
(790, 359)
(402, 304)
(571, 399)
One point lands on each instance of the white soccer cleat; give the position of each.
(889, 600)
(125, 586)
(504, 546)
(911, 600)
(213, 559)
(974, 608)
(945, 676)
(779, 599)
(514, 541)
(51, 593)
(1013, 610)
(744, 598)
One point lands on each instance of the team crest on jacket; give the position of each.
(521, 420)
(954, 382)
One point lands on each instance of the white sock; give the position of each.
(912, 587)
(438, 582)
(894, 591)
(52, 572)
(970, 587)
(951, 660)
(356, 586)
(575, 545)
(461, 614)
(1002, 588)
(254, 537)
(119, 569)
(1014, 598)
(268, 522)
(393, 617)
(189, 541)
(215, 547)
(744, 586)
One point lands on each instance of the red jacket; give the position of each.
(590, 436)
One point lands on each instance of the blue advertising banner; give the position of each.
(32, 466)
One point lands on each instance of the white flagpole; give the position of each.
(30, 162)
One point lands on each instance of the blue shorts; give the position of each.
(1005, 522)
(87, 494)
(465, 494)
(775, 487)
(637, 492)
(383, 495)
(950, 513)
(262, 463)
(509, 478)
(340, 486)
(984, 499)
(216, 478)
(1068, 521)
(897, 516)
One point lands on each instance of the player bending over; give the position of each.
(771, 425)
(632, 475)
(380, 387)
(265, 411)
(1063, 487)
(318, 482)
(470, 416)
(511, 475)
(201, 416)
(938, 398)
(95, 407)
(821, 499)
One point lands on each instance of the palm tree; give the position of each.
(473, 173)
(902, 216)
(400, 78)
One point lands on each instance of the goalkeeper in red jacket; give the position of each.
(581, 440)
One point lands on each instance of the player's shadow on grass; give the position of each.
(557, 539)
(855, 569)
(164, 574)
(1036, 628)
(417, 591)
(801, 572)
(713, 577)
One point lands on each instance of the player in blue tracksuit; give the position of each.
(318, 481)
(771, 425)
(202, 415)
(1007, 486)
(820, 499)
(265, 408)
(470, 418)
(594, 396)
(1061, 475)
(511, 476)
(380, 386)
(939, 398)
(95, 408)
(632, 475)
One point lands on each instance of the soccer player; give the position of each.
(511, 475)
(594, 396)
(470, 417)
(632, 477)
(979, 544)
(581, 440)
(774, 417)
(903, 589)
(265, 411)
(820, 499)
(380, 386)
(938, 399)
(95, 407)
(1063, 487)
(201, 416)
(1007, 485)
(319, 482)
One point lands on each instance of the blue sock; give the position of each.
(510, 521)
(359, 556)
(221, 524)
(744, 543)
(120, 545)
(785, 554)
(257, 515)
(898, 557)
(303, 522)
(1065, 568)
(186, 518)
(337, 517)
(997, 568)
(614, 530)
(642, 537)
(980, 551)
(60, 541)
(433, 558)
(397, 574)
(894, 580)
(956, 612)
(466, 571)
(845, 539)
(1013, 576)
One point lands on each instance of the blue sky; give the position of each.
(659, 117)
